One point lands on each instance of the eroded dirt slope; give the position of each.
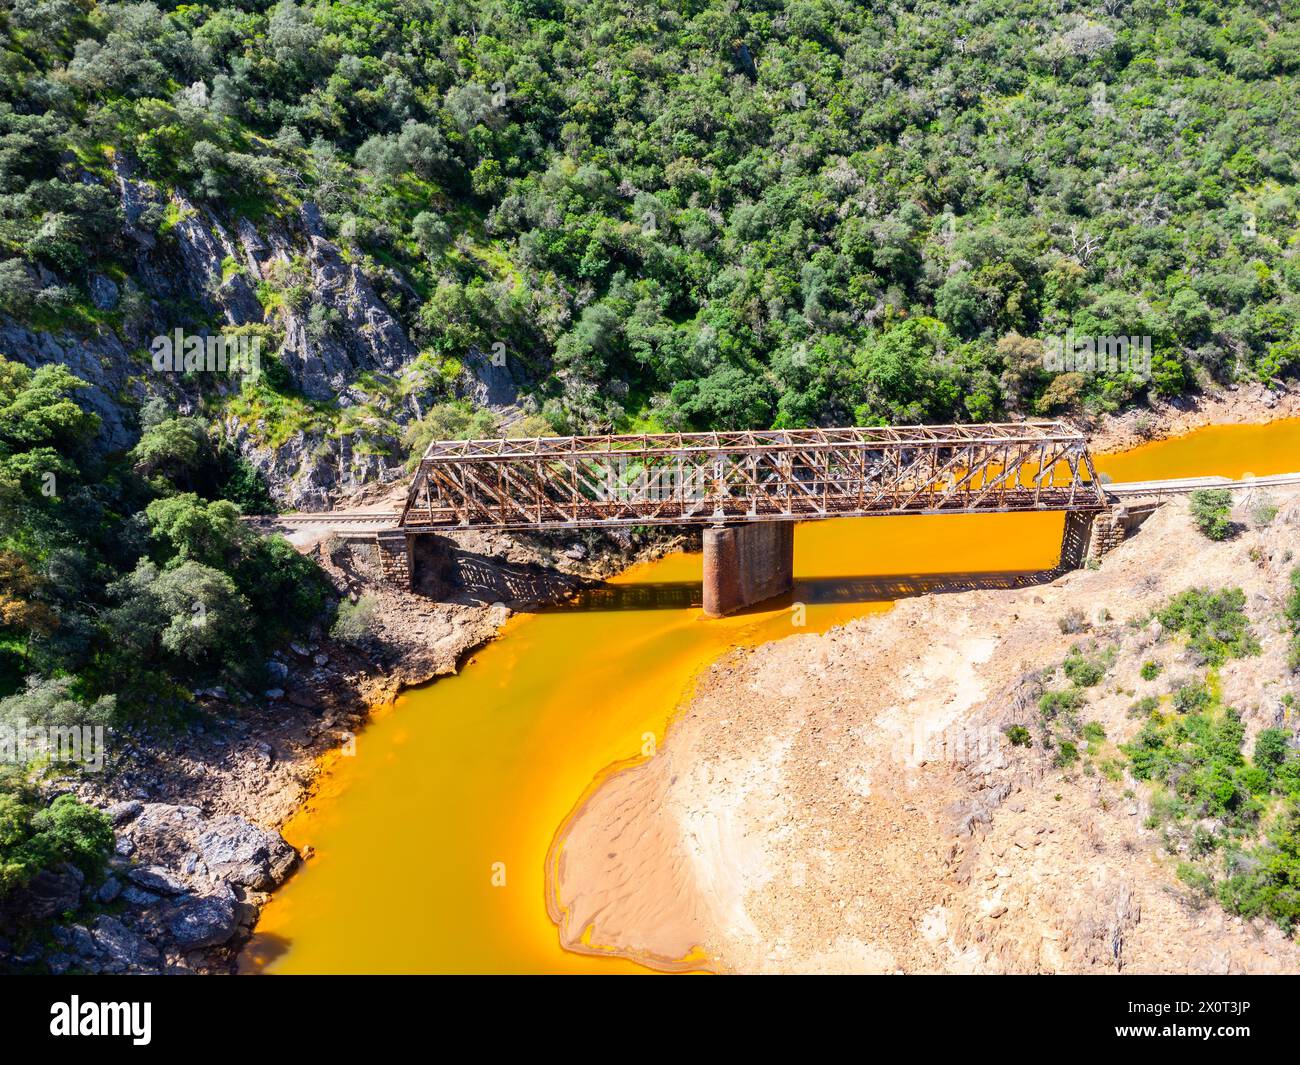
(849, 801)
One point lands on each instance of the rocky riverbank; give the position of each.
(1249, 404)
(851, 801)
(196, 807)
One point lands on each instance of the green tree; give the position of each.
(207, 531)
(177, 450)
(42, 431)
(1212, 512)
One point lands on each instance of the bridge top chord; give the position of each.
(561, 447)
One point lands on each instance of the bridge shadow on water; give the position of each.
(863, 588)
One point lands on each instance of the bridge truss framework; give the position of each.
(739, 477)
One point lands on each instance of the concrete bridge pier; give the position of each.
(746, 564)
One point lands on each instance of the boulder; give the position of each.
(75, 939)
(203, 921)
(59, 963)
(165, 833)
(121, 812)
(103, 292)
(138, 897)
(49, 893)
(157, 879)
(121, 949)
(240, 852)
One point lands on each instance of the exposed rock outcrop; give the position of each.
(192, 885)
(102, 361)
(341, 330)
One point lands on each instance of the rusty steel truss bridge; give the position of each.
(737, 477)
(750, 489)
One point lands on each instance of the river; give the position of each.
(431, 842)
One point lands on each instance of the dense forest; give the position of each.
(711, 214)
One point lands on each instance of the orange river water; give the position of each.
(431, 841)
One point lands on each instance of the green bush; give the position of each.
(1215, 623)
(1019, 736)
(1192, 697)
(1085, 672)
(1067, 753)
(1196, 878)
(355, 622)
(1292, 613)
(1151, 670)
(34, 837)
(1198, 758)
(1211, 512)
(1060, 704)
(1272, 746)
(1144, 707)
(1267, 880)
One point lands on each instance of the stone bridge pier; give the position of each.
(1091, 534)
(396, 551)
(746, 564)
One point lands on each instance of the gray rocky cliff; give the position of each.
(327, 340)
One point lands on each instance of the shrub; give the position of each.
(1292, 613)
(47, 702)
(1144, 707)
(1292, 609)
(33, 836)
(1271, 748)
(457, 420)
(1191, 697)
(1071, 622)
(1214, 622)
(1266, 880)
(1211, 509)
(1085, 672)
(1151, 670)
(1197, 879)
(1263, 513)
(1061, 704)
(355, 622)
(1094, 732)
(1019, 736)
(1066, 754)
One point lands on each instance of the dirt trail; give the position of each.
(849, 802)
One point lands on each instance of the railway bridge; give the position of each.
(748, 490)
